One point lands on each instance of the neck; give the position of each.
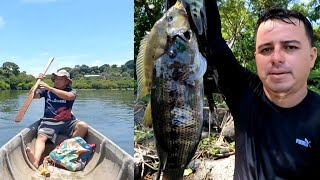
(61, 88)
(286, 100)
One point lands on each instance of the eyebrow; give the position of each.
(282, 42)
(264, 45)
(291, 42)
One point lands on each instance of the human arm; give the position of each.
(69, 96)
(37, 92)
(233, 79)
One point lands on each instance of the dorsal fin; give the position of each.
(142, 89)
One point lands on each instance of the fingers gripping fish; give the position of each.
(197, 14)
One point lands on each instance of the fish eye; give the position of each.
(172, 54)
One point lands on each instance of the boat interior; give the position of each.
(107, 162)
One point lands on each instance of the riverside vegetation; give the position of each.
(84, 77)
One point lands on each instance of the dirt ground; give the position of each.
(202, 168)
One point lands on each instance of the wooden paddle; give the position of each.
(31, 94)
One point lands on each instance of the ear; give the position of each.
(313, 56)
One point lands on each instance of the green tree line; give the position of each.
(84, 77)
(238, 18)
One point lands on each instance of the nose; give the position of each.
(277, 56)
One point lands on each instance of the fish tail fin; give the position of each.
(174, 173)
(147, 118)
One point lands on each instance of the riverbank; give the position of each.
(204, 165)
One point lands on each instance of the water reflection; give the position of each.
(7, 105)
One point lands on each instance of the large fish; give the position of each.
(177, 104)
(153, 45)
(204, 27)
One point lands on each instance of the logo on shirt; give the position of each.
(57, 101)
(304, 142)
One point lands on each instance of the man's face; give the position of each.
(283, 56)
(60, 82)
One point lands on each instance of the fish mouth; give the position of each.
(184, 36)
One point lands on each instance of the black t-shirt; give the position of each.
(271, 142)
(55, 107)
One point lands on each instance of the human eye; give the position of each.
(291, 47)
(265, 50)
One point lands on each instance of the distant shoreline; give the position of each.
(122, 89)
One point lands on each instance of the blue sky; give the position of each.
(75, 32)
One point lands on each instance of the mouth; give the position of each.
(278, 75)
(280, 71)
(184, 36)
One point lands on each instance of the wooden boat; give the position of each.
(107, 162)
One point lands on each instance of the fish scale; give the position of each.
(177, 105)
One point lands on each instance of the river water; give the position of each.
(108, 111)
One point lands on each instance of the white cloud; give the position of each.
(44, 54)
(38, 1)
(118, 61)
(77, 59)
(96, 63)
(12, 57)
(2, 22)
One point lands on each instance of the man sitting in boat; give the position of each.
(57, 118)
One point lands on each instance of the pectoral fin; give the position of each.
(147, 118)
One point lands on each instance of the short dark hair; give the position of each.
(279, 13)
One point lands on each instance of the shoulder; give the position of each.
(312, 105)
(313, 97)
(314, 113)
(69, 89)
(42, 92)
